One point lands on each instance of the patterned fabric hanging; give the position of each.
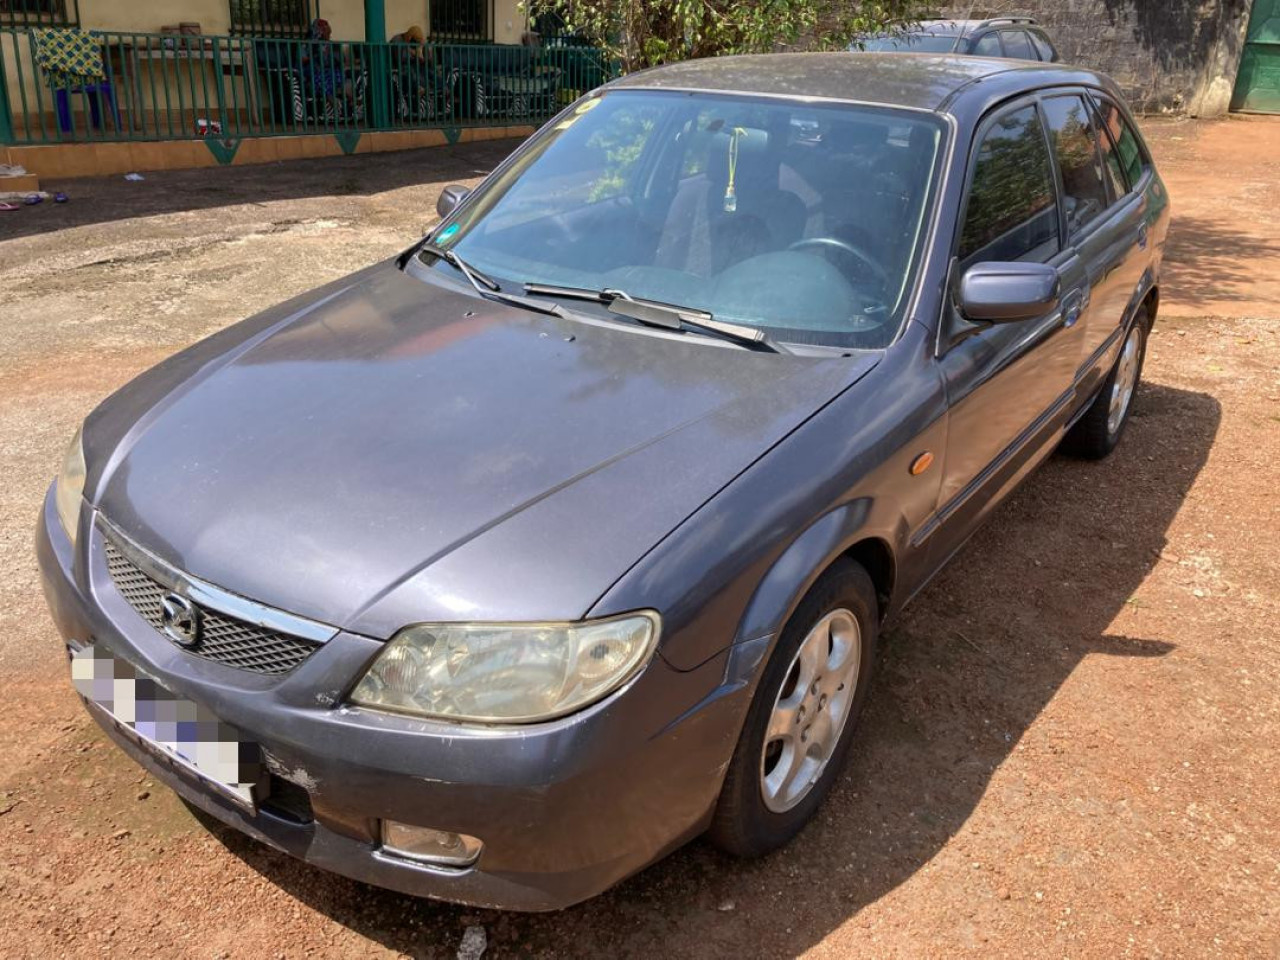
(68, 57)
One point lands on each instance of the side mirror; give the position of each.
(1008, 292)
(450, 197)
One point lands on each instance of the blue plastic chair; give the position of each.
(94, 91)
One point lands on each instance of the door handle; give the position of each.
(1142, 237)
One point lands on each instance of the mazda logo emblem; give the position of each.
(180, 619)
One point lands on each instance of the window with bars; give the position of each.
(272, 18)
(459, 19)
(39, 13)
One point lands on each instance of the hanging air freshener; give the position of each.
(730, 195)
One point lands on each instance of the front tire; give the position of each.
(1096, 433)
(800, 725)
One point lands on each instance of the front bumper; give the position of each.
(565, 809)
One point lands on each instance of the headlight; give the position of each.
(506, 672)
(68, 494)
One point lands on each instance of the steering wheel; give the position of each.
(844, 246)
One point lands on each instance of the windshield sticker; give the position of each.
(447, 233)
(578, 112)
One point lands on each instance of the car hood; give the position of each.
(391, 450)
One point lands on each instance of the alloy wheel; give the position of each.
(811, 710)
(1126, 380)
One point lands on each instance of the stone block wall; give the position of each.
(1169, 56)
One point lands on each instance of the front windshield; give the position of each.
(802, 219)
(910, 43)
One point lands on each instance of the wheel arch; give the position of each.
(875, 556)
(1146, 296)
(843, 533)
(1151, 303)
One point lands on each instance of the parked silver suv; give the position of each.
(1019, 38)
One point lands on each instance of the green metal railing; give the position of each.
(173, 87)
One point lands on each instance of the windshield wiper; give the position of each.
(486, 286)
(477, 278)
(657, 314)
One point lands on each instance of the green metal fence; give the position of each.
(168, 87)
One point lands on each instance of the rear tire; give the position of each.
(800, 725)
(1096, 433)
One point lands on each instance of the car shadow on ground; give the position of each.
(966, 671)
(106, 199)
(1209, 262)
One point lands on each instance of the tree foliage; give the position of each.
(645, 33)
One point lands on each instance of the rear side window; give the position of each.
(1075, 144)
(1017, 45)
(1042, 45)
(1112, 166)
(988, 46)
(911, 43)
(1129, 153)
(1012, 212)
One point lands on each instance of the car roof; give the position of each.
(941, 28)
(923, 81)
(962, 28)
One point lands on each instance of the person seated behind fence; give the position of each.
(322, 64)
(413, 61)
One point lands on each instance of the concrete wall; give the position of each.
(100, 159)
(509, 22)
(214, 16)
(1168, 55)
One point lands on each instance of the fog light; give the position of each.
(438, 847)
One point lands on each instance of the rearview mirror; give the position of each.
(1008, 292)
(450, 197)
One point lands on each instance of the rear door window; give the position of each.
(988, 46)
(1017, 45)
(1075, 145)
(1128, 149)
(1011, 212)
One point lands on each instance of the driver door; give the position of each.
(1009, 385)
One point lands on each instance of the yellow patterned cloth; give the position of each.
(69, 57)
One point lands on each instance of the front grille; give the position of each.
(222, 638)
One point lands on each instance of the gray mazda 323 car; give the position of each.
(498, 570)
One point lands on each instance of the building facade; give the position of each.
(496, 21)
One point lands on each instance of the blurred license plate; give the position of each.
(177, 731)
